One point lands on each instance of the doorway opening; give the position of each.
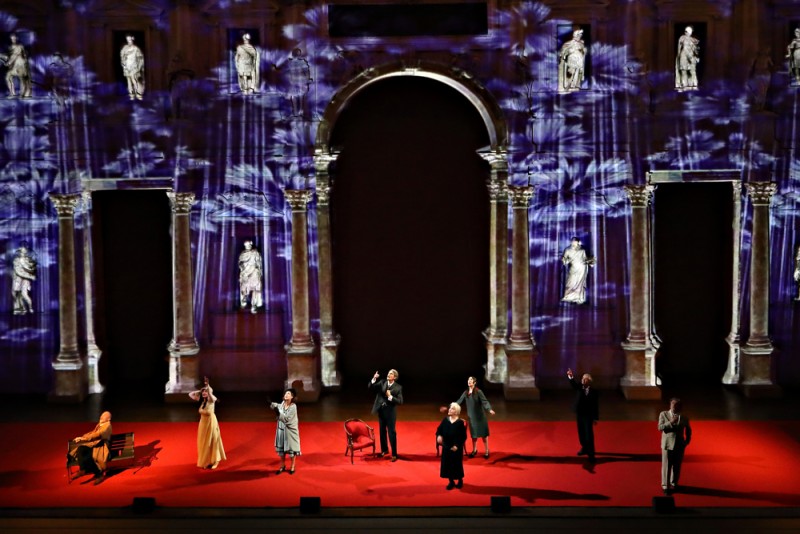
(410, 227)
(693, 277)
(133, 273)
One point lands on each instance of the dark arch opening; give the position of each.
(133, 265)
(410, 227)
(693, 254)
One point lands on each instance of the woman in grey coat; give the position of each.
(477, 406)
(287, 435)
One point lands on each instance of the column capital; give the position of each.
(520, 196)
(498, 190)
(498, 158)
(322, 160)
(761, 192)
(180, 203)
(298, 199)
(65, 204)
(737, 191)
(640, 195)
(323, 193)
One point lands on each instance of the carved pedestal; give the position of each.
(302, 370)
(329, 349)
(521, 381)
(184, 371)
(496, 358)
(639, 382)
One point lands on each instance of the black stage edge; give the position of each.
(548, 519)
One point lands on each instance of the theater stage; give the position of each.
(740, 468)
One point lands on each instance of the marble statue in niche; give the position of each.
(247, 62)
(133, 68)
(793, 54)
(298, 78)
(18, 67)
(572, 63)
(760, 78)
(797, 271)
(577, 263)
(250, 278)
(686, 61)
(23, 275)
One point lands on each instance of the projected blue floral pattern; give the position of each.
(577, 150)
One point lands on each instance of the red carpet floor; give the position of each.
(729, 464)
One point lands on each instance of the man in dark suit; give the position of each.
(676, 433)
(389, 395)
(587, 410)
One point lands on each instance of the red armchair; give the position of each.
(359, 436)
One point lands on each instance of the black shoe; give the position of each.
(673, 488)
(460, 483)
(78, 475)
(473, 454)
(486, 455)
(581, 452)
(291, 471)
(451, 485)
(665, 490)
(281, 470)
(394, 458)
(98, 480)
(382, 454)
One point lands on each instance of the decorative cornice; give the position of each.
(497, 159)
(322, 161)
(65, 204)
(520, 196)
(181, 203)
(737, 191)
(323, 193)
(640, 195)
(761, 192)
(498, 190)
(298, 199)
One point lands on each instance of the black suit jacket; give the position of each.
(586, 404)
(381, 401)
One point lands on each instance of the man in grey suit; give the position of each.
(676, 433)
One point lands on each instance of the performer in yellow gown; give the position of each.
(210, 451)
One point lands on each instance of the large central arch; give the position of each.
(497, 181)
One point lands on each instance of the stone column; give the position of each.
(302, 358)
(70, 370)
(329, 339)
(184, 372)
(639, 381)
(731, 375)
(496, 332)
(521, 351)
(756, 373)
(93, 351)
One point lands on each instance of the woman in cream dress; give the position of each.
(209, 441)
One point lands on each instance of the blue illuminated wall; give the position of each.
(196, 133)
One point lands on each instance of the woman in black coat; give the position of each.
(451, 435)
(477, 406)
